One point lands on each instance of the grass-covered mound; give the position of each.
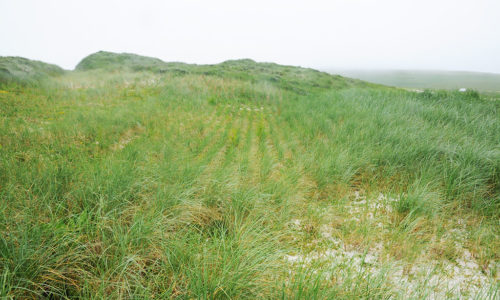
(299, 79)
(120, 61)
(25, 71)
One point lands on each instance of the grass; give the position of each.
(22, 71)
(136, 183)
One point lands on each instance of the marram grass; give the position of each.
(122, 184)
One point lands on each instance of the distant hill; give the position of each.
(121, 61)
(23, 70)
(288, 77)
(426, 79)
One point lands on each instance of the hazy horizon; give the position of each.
(415, 70)
(342, 34)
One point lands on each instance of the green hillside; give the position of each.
(22, 70)
(288, 77)
(134, 178)
(121, 61)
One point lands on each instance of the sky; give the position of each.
(337, 34)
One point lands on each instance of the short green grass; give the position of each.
(222, 182)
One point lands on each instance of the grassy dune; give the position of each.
(19, 70)
(221, 182)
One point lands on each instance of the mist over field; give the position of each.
(342, 34)
(486, 82)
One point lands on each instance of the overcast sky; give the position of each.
(373, 34)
